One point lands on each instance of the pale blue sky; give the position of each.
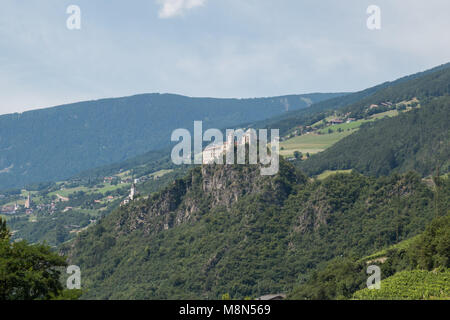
(220, 48)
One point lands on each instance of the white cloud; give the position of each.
(172, 8)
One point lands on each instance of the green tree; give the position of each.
(432, 249)
(4, 232)
(298, 155)
(28, 272)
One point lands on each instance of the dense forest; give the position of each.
(418, 268)
(225, 230)
(30, 272)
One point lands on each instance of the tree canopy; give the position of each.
(28, 272)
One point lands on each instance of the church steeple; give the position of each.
(132, 191)
(28, 202)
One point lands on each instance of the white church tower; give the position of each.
(132, 192)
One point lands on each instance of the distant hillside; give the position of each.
(89, 196)
(418, 140)
(432, 82)
(56, 143)
(146, 163)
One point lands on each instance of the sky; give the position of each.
(214, 48)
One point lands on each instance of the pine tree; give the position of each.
(4, 232)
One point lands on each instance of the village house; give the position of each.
(336, 121)
(131, 196)
(107, 179)
(9, 209)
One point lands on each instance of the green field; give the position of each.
(125, 174)
(311, 143)
(106, 188)
(67, 192)
(390, 113)
(402, 245)
(328, 173)
(318, 123)
(160, 173)
(344, 126)
(410, 285)
(356, 124)
(315, 143)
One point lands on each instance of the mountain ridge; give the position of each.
(347, 102)
(59, 142)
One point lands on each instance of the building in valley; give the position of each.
(28, 202)
(131, 196)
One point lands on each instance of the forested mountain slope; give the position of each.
(417, 268)
(226, 229)
(430, 83)
(420, 270)
(56, 143)
(418, 140)
(423, 86)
